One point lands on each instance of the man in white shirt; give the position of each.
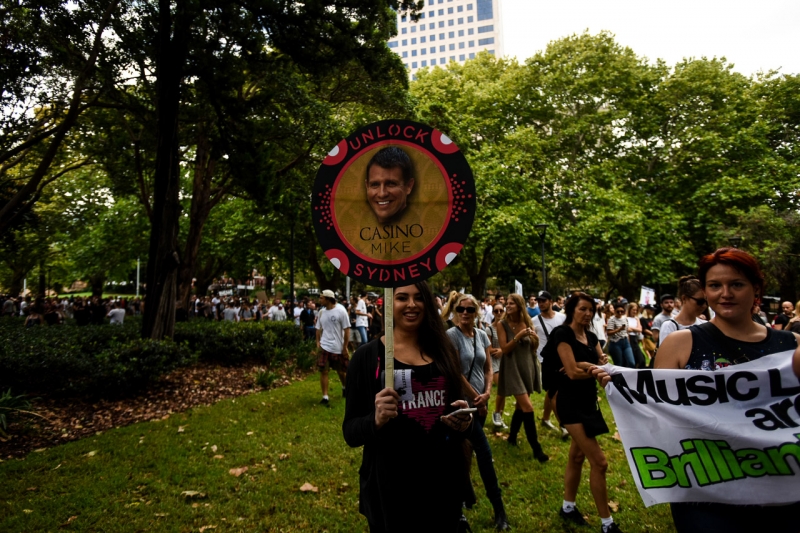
(544, 324)
(298, 308)
(273, 310)
(362, 317)
(117, 314)
(333, 333)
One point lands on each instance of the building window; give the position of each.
(433, 62)
(423, 51)
(461, 45)
(441, 36)
(422, 15)
(405, 42)
(432, 38)
(392, 44)
(422, 39)
(430, 2)
(470, 19)
(414, 77)
(452, 34)
(472, 44)
(452, 46)
(413, 64)
(469, 7)
(413, 40)
(403, 18)
(413, 53)
(449, 10)
(405, 65)
(460, 33)
(403, 30)
(422, 27)
(462, 57)
(442, 48)
(433, 49)
(484, 42)
(491, 51)
(441, 24)
(485, 10)
(413, 29)
(472, 55)
(441, 12)
(461, 20)
(486, 29)
(424, 63)
(452, 58)
(405, 54)
(431, 26)
(471, 31)
(460, 9)
(451, 22)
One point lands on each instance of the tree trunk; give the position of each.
(163, 262)
(323, 281)
(205, 275)
(17, 280)
(478, 272)
(98, 283)
(202, 203)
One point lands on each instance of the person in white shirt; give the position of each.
(333, 333)
(273, 310)
(599, 325)
(117, 315)
(362, 317)
(545, 322)
(298, 309)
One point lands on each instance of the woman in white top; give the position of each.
(693, 303)
(599, 325)
(635, 334)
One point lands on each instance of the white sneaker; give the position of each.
(497, 420)
(564, 433)
(548, 424)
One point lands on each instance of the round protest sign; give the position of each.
(393, 203)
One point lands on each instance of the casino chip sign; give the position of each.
(393, 203)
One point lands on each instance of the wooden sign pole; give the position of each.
(388, 317)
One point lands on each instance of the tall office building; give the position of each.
(448, 30)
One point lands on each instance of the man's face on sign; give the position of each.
(387, 192)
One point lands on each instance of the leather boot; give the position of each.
(533, 440)
(500, 518)
(516, 424)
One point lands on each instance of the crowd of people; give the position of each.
(554, 346)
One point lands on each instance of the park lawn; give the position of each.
(131, 479)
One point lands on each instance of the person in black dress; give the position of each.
(579, 351)
(413, 474)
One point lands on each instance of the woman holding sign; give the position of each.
(578, 351)
(413, 476)
(733, 285)
(473, 347)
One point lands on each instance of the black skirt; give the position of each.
(581, 411)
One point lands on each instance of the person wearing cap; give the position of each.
(544, 324)
(667, 305)
(333, 333)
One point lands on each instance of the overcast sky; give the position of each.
(754, 35)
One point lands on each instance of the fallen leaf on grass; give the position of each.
(308, 487)
(32, 488)
(218, 456)
(623, 483)
(214, 448)
(39, 450)
(614, 506)
(181, 429)
(284, 456)
(27, 511)
(71, 518)
(249, 432)
(237, 471)
(193, 494)
(616, 436)
(162, 514)
(207, 527)
(91, 453)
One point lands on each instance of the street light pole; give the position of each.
(736, 241)
(542, 231)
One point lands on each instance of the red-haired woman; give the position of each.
(733, 285)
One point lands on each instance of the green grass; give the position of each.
(134, 479)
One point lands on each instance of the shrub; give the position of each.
(10, 406)
(265, 378)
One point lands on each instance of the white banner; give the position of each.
(647, 296)
(518, 288)
(729, 436)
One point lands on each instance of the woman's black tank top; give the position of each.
(707, 354)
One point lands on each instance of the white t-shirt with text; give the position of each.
(361, 320)
(333, 322)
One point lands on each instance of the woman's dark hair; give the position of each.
(738, 259)
(572, 303)
(433, 341)
(688, 285)
(617, 305)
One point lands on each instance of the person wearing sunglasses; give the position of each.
(473, 347)
(693, 304)
(520, 373)
(618, 345)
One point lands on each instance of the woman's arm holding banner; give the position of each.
(572, 368)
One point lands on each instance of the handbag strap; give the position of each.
(546, 334)
(474, 352)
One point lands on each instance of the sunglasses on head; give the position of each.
(461, 309)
